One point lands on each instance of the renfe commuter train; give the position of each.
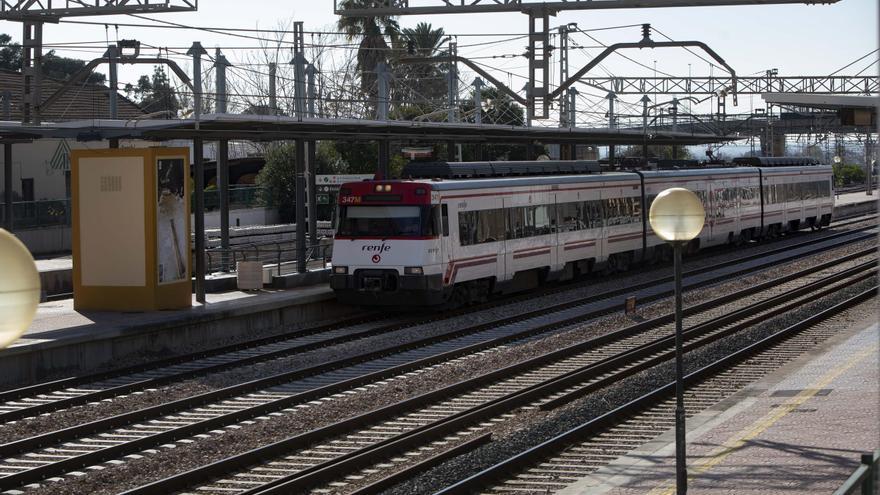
(459, 232)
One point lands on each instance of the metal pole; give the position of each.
(645, 101)
(300, 198)
(299, 70)
(113, 95)
(869, 153)
(478, 100)
(680, 447)
(220, 64)
(196, 51)
(112, 56)
(572, 117)
(7, 186)
(311, 71)
(273, 102)
(611, 97)
(382, 95)
(675, 126)
(384, 158)
(313, 194)
(199, 213)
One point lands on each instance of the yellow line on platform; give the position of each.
(736, 441)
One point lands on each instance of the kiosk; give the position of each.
(131, 232)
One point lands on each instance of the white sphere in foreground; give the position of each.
(677, 215)
(19, 288)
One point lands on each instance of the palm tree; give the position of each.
(421, 84)
(424, 40)
(373, 48)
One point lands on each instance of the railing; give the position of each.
(272, 253)
(864, 480)
(36, 214)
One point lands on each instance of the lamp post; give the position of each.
(19, 289)
(677, 217)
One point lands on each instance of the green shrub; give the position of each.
(847, 175)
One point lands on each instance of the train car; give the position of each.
(459, 232)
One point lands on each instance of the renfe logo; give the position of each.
(376, 248)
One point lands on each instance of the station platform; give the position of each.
(798, 430)
(63, 341)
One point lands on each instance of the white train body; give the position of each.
(465, 239)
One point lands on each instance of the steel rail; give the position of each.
(44, 387)
(152, 382)
(535, 454)
(310, 476)
(631, 362)
(153, 439)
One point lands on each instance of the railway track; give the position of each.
(52, 396)
(63, 451)
(466, 409)
(557, 463)
(459, 412)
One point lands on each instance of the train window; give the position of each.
(490, 226)
(467, 227)
(543, 224)
(390, 221)
(825, 189)
(593, 215)
(444, 220)
(477, 227)
(569, 218)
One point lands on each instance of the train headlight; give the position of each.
(413, 270)
(340, 270)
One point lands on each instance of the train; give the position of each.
(457, 233)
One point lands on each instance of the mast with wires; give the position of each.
(33, 15)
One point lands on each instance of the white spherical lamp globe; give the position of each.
(677, 215)
(19, 288)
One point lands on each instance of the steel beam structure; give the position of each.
(423, 7)
(841, 85)
(51, 11)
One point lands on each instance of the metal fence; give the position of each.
(864, 480)
(37, 214)
(280, 255)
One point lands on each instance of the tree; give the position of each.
(54, 67)
(373, 48)
(499, 108)
(155, 94)
(420, 82)
(10, 54)
(278, 180)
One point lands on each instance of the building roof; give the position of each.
(85, 101)
(269, 128)
(834, 102)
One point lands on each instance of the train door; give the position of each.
(447, 245)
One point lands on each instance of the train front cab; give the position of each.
(388, 245)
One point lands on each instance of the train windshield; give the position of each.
(385, 221)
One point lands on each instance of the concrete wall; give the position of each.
(243, 217)
(48, 240)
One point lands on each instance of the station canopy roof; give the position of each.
(270, 127)
(832, 102)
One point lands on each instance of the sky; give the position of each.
(796, 39)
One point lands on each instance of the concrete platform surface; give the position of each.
(799, 430)
(58, 318)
